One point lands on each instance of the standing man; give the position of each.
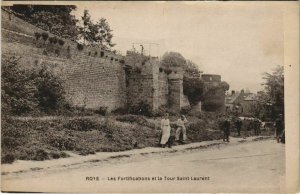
(279, 125)
(257, 126)
(226, 129)
(238, 125)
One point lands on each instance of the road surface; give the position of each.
(258, 166)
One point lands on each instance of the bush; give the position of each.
(196, 126)
(162, 110)
(61, 42)
(120, 111)
(37, 35)
(50, 92)
(54, 40)
(45, 36)
(193, 89)
(30, 91)
(50, 40)
(57, 52)
(40, 155)
(137, 70)
(81, 124)
(185, 110)
(17, 88)
(102, 110)
(79, 47)
(142, 108)
(7, 159)
(101, 54)
(135, 119)
(168, 71)
(62, 143)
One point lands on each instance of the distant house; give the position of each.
(231, 101)
(248, 102)
(239, 102)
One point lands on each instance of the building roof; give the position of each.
(250, 97)
(230, 99)
(238, 97)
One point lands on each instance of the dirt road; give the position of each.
(256, 166)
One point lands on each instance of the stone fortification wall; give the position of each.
(93, 78)
(140, 80)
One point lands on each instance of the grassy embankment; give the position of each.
(42, 139)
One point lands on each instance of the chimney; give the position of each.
(242, 91)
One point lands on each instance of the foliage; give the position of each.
(61, 42)
(8, 158)
(102, 110)
(214, 99)
(120, 111)
(168, 71)
(185, 109)
(17, 88)
(135, 119)
(98, 33)
(37, 35)
(162, 110)
(137, 70)
(84, 30)
(193, 89)
(197, 131)
(102, 34)
(45, 36)
(142, 108)
(191, 69)
(172, 59)
(54, 18)
(28, 91)
(274, 88)
(224, 85)
(81, 124)
(54, 40)
(50, 91)
(79, 46)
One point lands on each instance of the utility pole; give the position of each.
(142, 46)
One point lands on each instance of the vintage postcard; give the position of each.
(150, 97)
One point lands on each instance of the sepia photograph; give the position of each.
(156, 97)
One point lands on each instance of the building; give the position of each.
(240, 102)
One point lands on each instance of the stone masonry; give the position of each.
(94, 78)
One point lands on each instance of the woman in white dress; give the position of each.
(165, 130)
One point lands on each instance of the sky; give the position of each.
(239, 41)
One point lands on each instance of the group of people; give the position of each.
(226, 122)
(168, 134)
